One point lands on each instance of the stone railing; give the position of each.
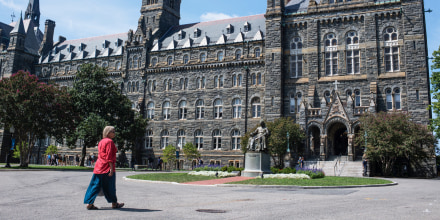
(314, 112)
(360, 110)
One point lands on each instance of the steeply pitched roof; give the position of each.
(298, 6)
(214, 32)
(87, 48)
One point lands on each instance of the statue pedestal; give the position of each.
(256, 164)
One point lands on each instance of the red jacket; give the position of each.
(106, 153)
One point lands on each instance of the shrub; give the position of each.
(286, 170)
(313, 173)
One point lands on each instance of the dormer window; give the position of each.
(230, 29)
(247, 27)
(180, 35)
(197, 33)
(81, 47)
(69, 48)
(104, 44)
(118, 43)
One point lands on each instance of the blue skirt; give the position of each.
(104, 182)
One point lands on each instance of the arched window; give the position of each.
(118, 65)
(137, 86)
(130, 63)
(349, 93)
(218, 109)
(203, 57)
(166, 110)
(164, 139)
(198, 139)
(168, 84)
(357, 98)
(183, 111)
(236, 108)
(327, 96)
(296, 58)
(235, 138)
(392, 58)
(331, 55)
(150, 110)
(181, 136)
(220, 56)
(259, 79)
(397, 103)
(181, 82)
(170, 60)
(257, 52)
(353, 54)
(149, 139)
(66, 69)
(217, 139)
(104, 65)
(393, 99)
(200, 109)
(254, 79)
(129, 87)
(154, 61)
(238, 54)
(185, 59)
(218, 81)
(256, 108)
(135, 62)
(295, 102)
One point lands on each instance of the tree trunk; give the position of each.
(83, 155)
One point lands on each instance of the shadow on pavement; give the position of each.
(138, 210)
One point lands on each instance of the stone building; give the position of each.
(322, 62)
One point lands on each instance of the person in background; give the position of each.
(104, 176)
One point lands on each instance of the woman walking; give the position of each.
(104, 176)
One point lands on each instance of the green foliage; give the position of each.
(314, 174)
(100, 103)
(208, 168)
(169, 155)
(277, 142)
(35, 109)
(286, 170)
(435, 93)
(230, 169)
(392, 136)
(51, 150)
(190, 152)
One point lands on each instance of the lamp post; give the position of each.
(366, 136)
(8, 157)
(288, 148)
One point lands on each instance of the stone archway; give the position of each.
(314, 141)
(337, 135)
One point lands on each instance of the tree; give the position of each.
(191, 152)
(393, 136)
(51, 150)
(435, 91)
(277, 142)
(169, 155)
(35, 109)
(100, 102)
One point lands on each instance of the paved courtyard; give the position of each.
(59, 195)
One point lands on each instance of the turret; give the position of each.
(17, 36)
(33, 12)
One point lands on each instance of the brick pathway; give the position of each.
(219, 181)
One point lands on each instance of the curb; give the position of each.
(266, 186)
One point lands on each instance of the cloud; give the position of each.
(212, 16)
(12, 5)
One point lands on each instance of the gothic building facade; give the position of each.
(324, 63)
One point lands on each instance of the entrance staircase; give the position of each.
(337, 166)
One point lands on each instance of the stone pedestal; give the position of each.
(256, 164)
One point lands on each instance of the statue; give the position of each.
(257, 141)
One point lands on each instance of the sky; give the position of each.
(87, 18)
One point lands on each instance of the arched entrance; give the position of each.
(314, 141)
(338, 139)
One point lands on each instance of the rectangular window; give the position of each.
(417, 95)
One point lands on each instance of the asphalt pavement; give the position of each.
(60, 194)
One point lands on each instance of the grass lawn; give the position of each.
(326, 181)
(170, 177)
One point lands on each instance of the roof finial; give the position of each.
(12, 17)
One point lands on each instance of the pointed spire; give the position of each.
(33, 12)
(19, 26)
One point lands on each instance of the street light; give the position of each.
(366, 136)
(8, 157)
(288, 148)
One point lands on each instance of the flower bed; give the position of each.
(286, 176)
(212, 173)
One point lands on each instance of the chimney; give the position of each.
(47, 43)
